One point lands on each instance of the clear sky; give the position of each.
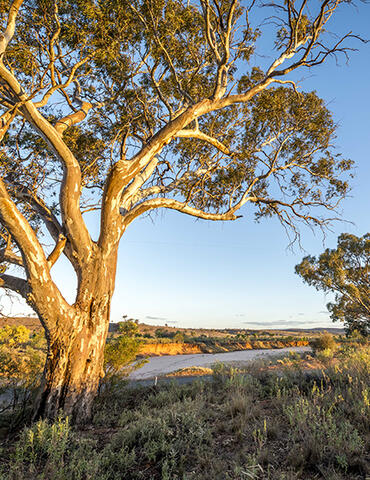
(184, 272)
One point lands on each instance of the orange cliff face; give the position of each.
(168, 349)
(173, 348)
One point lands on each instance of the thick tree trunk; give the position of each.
(73, 370)
(75, 359)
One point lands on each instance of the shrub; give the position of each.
(14, 335)
(53, 452)
(179, 337)
(120, 353)
(128, 328)
(319, 434)
(22, 357)
(161, 333)
(325, 341)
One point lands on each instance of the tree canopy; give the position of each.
(113, 77)
(344, 271)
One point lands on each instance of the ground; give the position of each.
(254, 422)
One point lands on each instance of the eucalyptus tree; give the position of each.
(128, 106)
(344, 271)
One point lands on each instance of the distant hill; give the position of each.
(333, 330)
(30, 322)
(34, 324)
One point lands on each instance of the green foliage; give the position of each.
(44, 440)
(317, 426)
(179, 337)
(55, 452)
(325, 341)
(22, 357)
(162, 333)
(119, 354)
(156, 58)
(128, 327)
(346, 272)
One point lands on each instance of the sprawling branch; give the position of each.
(177, 127)
(175, 205)
(70, 191)
(125, 171)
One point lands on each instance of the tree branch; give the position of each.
(38, 205)
(138, 181)
(72, 119)
(203, 136)
(33, 255)
(221, 81)
(174, 205)
(124, 171)
(61, 86)
(70, 191)
(6, 120)
(58, 249)
(10, 28)
(6, 255)
(15, 284)
(40, 285)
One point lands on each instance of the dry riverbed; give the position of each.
(159, 366)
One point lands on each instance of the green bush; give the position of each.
(129, 328)
(22, 357)
(55, 452)
(120, 353)
(325, 342)
(319, 434)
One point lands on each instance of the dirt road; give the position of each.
(158, 366)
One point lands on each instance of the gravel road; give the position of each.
(158, 366)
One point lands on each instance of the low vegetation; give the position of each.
(208, 341)
(266, 421)
(22, 359)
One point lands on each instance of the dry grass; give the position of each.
(246, 424)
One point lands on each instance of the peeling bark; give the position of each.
(75, 358)
(73, 368)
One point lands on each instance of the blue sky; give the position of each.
(177, 270)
